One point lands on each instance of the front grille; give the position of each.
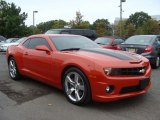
(142, 85)
(128, 71)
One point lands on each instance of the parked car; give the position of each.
(2, 38)
(84, 32)
(80, 67)
(146, 45)
(109, 42)
(10, 40)
(3, 48)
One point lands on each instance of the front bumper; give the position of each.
(99, 84)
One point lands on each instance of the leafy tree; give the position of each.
(138, 19)
(59, 24)
(102, 27)
(44, 26)
(151, 27)
(79, 22)
(12, 21)
(123, 29)
(53, 24)
(129, 30)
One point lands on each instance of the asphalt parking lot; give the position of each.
(31, 100)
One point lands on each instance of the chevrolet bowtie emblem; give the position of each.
(142, 70)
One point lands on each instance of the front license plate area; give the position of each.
(144, 83)
(131, 50)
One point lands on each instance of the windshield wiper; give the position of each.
(68, 49)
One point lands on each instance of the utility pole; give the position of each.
(34, 18)
(121, 10)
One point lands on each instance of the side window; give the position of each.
(38, 41)
(77, 32)
(26, 43)
(64, 32)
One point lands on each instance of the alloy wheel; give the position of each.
(74, 86)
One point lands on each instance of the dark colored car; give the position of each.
(2, 38)
(109, 42)
(145, 45)
(84, 32)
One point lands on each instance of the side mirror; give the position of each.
(42, 48)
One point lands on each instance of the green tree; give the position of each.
(123, 29)
(44, 26)
(129, 30)
(53, 24)
(79, 22)
(151, 27)
(138, 19)
(59, 24)
(12, 20)
(102, 27)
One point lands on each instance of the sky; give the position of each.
(90, 9)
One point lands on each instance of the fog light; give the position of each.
(109, 88)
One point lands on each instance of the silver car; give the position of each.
(3, 48)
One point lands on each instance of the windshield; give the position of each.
(103, 41)
(53, 32)
(20, 40)
(143, 40)
(8, 40)
(67, 42)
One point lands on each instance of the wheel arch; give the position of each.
(10, 56)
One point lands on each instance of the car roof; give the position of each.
(70, 29)
(147, 35)
(52, 35)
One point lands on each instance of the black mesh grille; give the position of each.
(128, 71)
(142, 85)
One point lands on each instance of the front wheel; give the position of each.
(76, 87)
(13, 70)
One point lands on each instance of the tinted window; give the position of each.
(38, 41)
(143, 40)
(66, 42)
(65, 32)
(119, 41)
(20, 40)
(103, 41)
(53, 32)
(11, 40)
(26, 43)
(77, 32)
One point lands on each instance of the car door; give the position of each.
(38, 63)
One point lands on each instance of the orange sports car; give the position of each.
(80, 67)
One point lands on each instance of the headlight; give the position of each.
(107, 71)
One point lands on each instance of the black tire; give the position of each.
(13, 69)
(156, 64)
(83, 87)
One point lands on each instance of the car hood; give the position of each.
(110, 58)
(9, 44)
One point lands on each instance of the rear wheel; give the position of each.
(76, 87)
(156, 63)
(13, 70)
